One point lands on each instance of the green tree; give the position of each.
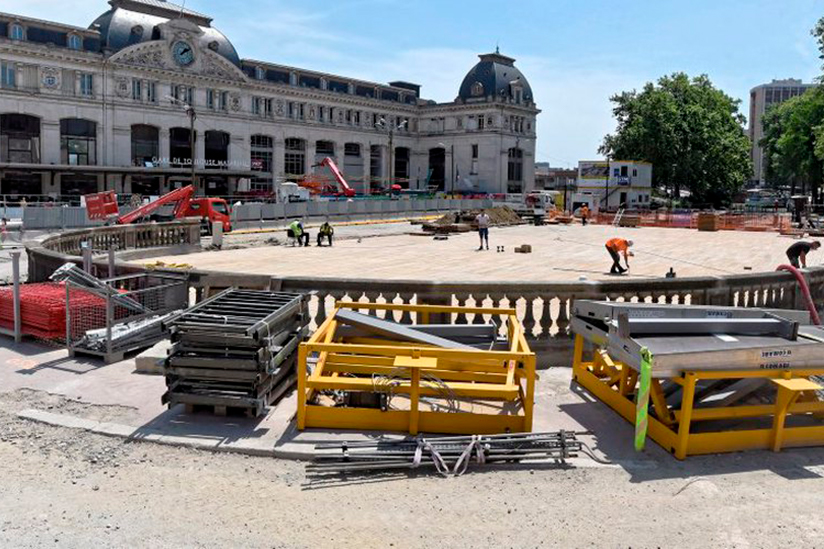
(690, 131)
(794, 142)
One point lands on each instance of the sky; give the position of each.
(575, 53)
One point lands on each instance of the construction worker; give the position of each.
(297, 232)
(482, 219)
(326, 231)
(616, 246)
(584, 214)
(799, 251)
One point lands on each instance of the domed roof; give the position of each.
(495, 75)
(130, 22)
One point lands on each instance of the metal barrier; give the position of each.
(689, 220)
(113, 327)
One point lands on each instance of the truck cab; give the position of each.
(209, 210)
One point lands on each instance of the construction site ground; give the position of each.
(91, 457)
(560, 253)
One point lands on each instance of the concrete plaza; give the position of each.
(559, 253)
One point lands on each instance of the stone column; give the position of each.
(50, 142)
(164, 152)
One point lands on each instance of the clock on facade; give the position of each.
(183, 53)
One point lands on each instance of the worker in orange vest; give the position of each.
(616, 246)
(584, 214)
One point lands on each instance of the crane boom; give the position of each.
(329, 163)
(179, 197)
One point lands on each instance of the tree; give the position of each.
(690, 131)
(794, 142)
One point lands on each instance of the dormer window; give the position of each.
(17, 32)
(477, 89)
(260, 74)
(213, 45)
(75, 42)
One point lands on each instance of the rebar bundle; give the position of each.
(237, 349)
(448, 455)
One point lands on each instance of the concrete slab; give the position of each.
(150, 361)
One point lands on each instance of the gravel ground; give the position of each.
(65, 488)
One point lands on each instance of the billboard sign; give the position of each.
(593, 170)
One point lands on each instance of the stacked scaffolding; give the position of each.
(236, 350)
(702, 380)
(368, 373)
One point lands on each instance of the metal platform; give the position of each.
(714, 338)
(747, 382)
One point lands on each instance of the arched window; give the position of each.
(145, 145)
(180, 148)
(262, 162)
(217, 149)
(75, 42)
(402, 166)
(78, 142)
(260, 73)
(19, 138)
(477, 90)
(17, 32)
(324, 148)
(352, 149)
(437, 169)
(515, 170)
(294, 161)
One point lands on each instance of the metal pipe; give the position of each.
(18, 326)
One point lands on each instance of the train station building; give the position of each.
(108, 107)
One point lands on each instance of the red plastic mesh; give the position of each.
(43, 308)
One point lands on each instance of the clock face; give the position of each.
(183, 53)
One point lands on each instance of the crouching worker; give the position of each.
(297, 233)
(327, 232)
(797, 253)
(616, 247)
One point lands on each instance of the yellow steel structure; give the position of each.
(674, 428)
(503, 379)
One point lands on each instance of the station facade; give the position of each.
(108, 107)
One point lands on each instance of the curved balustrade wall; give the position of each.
(543, 308)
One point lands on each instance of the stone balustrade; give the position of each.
(543, 308)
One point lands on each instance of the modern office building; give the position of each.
(762, 98)
(108, 107)
(625, 184)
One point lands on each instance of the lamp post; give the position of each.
(452, 176)
(383, 125)
(190, 112)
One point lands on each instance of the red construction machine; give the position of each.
(325, 188)
(208, 209)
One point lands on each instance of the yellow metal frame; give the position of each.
(615, 384)
(349, 364)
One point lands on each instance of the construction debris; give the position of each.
(448, 455)
(463, 222)
(235, 350)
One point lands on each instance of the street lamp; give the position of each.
(452, 153)
(190, 112)
(383, 125)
